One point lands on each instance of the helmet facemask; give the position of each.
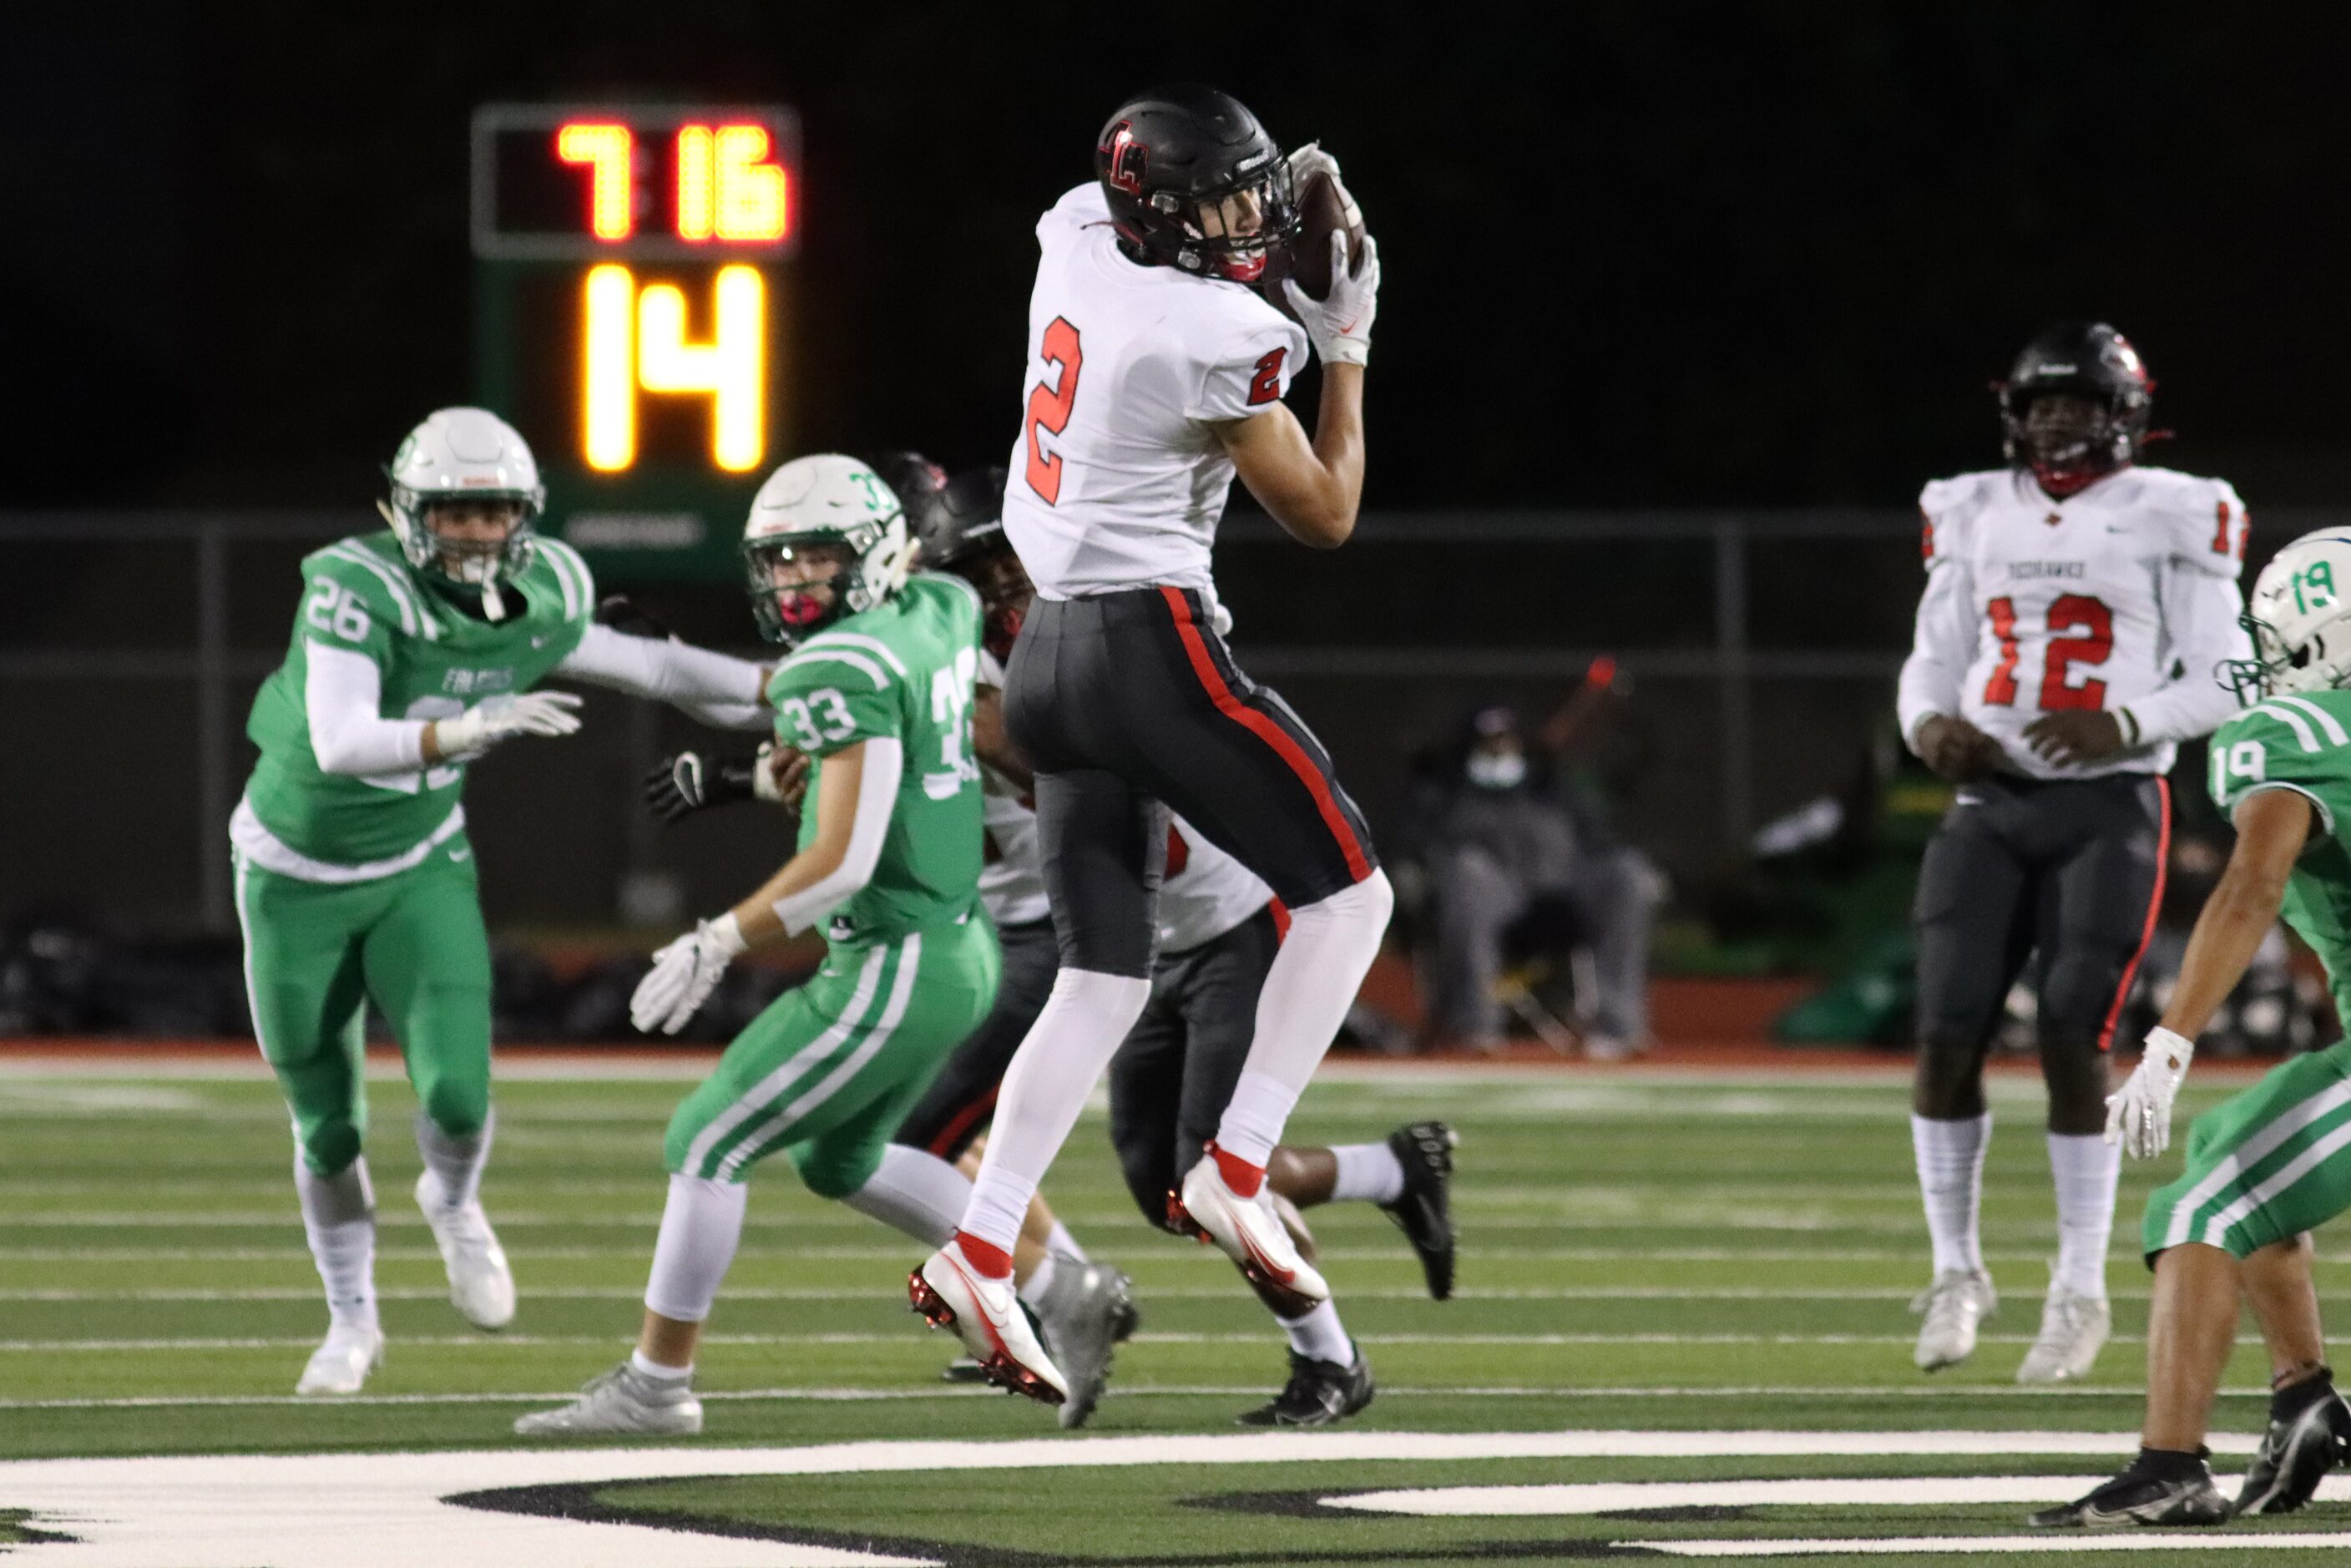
(1234, 233)
(801, 583)
(2301, 632)
(458, 551)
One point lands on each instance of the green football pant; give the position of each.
(2266, 1164)
(316, 952)
(829, 1070)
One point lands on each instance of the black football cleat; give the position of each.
(2296, 1456)
(1424, 1211)
(1318, 1393)
(2137, 1497)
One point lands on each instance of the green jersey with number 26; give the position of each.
(2301, 743)
(359, 596)
(904, 671)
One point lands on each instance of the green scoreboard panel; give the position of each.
(629, 304)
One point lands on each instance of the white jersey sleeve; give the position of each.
(1118, 477)
(2202, 609)
(1943, 643)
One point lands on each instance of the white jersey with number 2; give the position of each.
(2121, 597)
(1118, 478)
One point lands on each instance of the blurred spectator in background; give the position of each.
(1523, 873)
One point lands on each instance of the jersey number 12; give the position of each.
(2094, 627)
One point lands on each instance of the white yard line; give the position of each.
(511, 1341)
(1155, 1292)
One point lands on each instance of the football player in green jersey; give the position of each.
(412, 654)
(878, 689)
(2267, 1166)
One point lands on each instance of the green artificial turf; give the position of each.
(1638, 1253)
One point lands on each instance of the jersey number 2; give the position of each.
(1049, 408)
(2094, 627)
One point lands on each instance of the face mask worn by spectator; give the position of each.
(1498, 770)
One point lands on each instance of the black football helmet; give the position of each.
(1194, 182)
(961, 527)
(2089, 361)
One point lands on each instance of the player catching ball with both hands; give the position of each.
(2273, 1164)
(1155, 374)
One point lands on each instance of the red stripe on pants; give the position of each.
(1273, 734)
(959, 1126)
(2147, 932)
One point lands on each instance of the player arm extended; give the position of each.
(2273, 827)
(1312, 487)
(718, 689)
(856, 790)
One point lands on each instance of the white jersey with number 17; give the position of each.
(1118, 478)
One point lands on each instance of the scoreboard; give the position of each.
(630, 299)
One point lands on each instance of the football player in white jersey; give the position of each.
(2076, 606)
(1156, 373)
(1219, 929)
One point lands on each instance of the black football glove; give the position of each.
(618, 611)
(680, 786)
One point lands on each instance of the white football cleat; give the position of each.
(988, 1316)
(1954, 1304)
(1250, 1236)
(2074, 1329)
(621, 1400)
(480, 1286)
(342, 1365)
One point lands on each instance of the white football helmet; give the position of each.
(2300, 619)
(824, 500)
(464, 454)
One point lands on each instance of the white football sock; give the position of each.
(1040, 1280)
(1950, 1156)
(915, 1192)
(1321, 1335)
(2086, 1168)
(702, 1223)
(656, 1370)
(1315, 975)
(339, 1217)
(1058, 1065)
(1059, 1239)
(1368, 1173)
(455, 1163)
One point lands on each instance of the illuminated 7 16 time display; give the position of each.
(628, 287)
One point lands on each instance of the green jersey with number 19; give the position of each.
(902, 670)
(2301, 743)
(436, 661)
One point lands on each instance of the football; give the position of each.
(1323, 210)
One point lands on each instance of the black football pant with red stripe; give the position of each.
(2064, 874)
(1128, 705)
(956, 1108)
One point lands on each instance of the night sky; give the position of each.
(1640, 253)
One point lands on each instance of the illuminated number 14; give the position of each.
(635, 339)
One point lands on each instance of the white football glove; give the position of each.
(1309, 160)
(1341, 326)
(684, 974)
(498, 718)
(2139, 1114)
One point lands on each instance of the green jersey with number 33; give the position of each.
(436, 661)
(2301, 743)
(904, 671)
